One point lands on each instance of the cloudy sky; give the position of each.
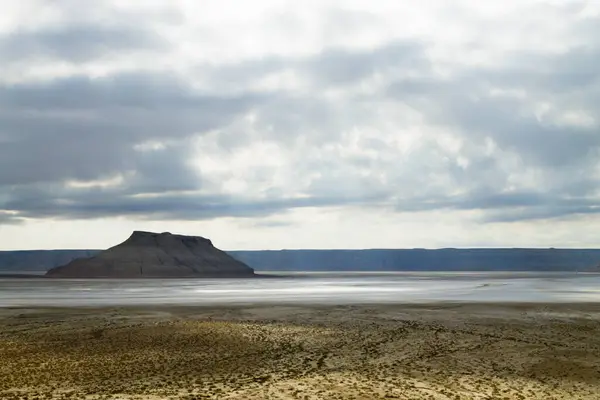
(273, 124)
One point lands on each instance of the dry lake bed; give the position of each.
(302, 351)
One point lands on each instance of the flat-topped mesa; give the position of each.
(141, 238)
(156, 255)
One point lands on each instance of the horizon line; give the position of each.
(341, 249)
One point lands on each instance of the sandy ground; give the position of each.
(449, 351)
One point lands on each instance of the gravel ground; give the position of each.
(434, 351)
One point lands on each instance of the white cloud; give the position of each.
(300, 124)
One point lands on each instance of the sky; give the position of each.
(272, 124)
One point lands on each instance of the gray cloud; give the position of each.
(564, 156)
(180, 205)
(508, 207)
(81, 128)
(78, 43)
(343, 66)
(128, 91)
(85, 129)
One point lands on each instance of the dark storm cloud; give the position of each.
(77, 43)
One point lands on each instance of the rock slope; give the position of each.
(156, 255)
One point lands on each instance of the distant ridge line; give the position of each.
(416, 259)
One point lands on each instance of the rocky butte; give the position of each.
(157, 255)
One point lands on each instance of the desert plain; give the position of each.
(401, 351)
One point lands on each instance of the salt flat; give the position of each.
(305, 288)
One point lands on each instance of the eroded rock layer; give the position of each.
(156, 255)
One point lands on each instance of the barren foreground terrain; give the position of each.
(275, 352)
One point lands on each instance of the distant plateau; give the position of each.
(517, 259)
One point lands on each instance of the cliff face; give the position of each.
(156, 255)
